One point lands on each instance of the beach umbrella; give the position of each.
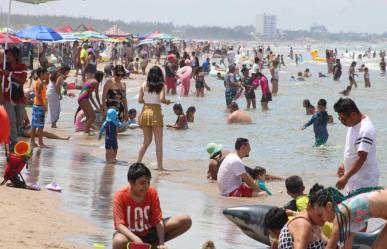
(11, 39)
(162, 36)
(67, 37)
(39, 33)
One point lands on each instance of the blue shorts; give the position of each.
(38, 115)
(111, 144)
(230, 95)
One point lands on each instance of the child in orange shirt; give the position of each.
(138, 216)
(39, 108)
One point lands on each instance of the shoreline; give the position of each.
(37, 219)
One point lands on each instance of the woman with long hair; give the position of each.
(152, 94)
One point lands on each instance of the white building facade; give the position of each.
(266, 25)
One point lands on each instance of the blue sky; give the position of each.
(336, 15)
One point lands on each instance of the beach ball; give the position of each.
(4, 125)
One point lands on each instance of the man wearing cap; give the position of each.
(232, 171)
(170, 73)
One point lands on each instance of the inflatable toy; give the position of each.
(315, 57)
(250, 218)
(22, 148)
(4, 121)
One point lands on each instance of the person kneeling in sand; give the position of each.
(238, 116)
(137, 214)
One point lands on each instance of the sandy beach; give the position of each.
(35, 219)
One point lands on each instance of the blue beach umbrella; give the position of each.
(39, 33)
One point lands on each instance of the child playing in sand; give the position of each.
(190, 114)
(181, 122)
(367, 81)
(260, 177)
(346, 91)
(137, 214)
(295, 188)
(110, 127)
(319, 121)
(39, 108)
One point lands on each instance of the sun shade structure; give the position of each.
(39, 33)
(11, 39)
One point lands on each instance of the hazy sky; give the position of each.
(336, 15)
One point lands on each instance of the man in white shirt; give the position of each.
(359, 168)
(232, 171)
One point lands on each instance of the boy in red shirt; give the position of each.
(138, 216)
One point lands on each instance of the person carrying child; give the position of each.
(110, 127)
(138, 216)
(320, 122)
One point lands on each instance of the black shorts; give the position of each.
(266, 98)
(111, 144)
(199, 84)
(151, 237)
(250, 95)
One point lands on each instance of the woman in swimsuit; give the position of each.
(85, 98)
(114, 94)
(352, 74)
(350, 214)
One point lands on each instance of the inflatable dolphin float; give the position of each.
(250, 219)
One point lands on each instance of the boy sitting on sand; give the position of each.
(295, 188)
(137, 214)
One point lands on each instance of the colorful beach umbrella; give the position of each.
(11, 39)
(39, 33)
(162, 36)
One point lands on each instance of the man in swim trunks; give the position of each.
(232, 171)
(359, 168)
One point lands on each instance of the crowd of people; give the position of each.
(137, 213)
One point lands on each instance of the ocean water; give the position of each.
(276, 140)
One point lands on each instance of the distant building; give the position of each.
(266, 26)
(318, 29)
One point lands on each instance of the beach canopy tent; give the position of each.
(11, 39)
(115, 31)
(39, 33)
(149, 35)
(83, 28)
(65, 29)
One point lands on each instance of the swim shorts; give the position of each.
(266, 98)
(38, 115)
(242, 191)
(230, 95)
(111, 143)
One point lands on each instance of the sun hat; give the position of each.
(213, 149)
(111, 115)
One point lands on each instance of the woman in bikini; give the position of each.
(114, 94)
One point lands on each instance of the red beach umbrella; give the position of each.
(11, 39)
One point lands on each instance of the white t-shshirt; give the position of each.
(229, 174)
(361, 137)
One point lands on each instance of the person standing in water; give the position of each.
(367, 81)
(320, 123)
(262, 81)
(274, 71)
(359, 168)
(337, 70)
(152, 94)
(352, 74)
(232, 85)
(382, 66)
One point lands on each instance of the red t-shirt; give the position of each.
(138, 217)
(19, 70)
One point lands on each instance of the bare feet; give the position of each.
(43, 146)
(54, 126)
(33, 144)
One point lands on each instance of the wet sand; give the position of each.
(277, 144)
